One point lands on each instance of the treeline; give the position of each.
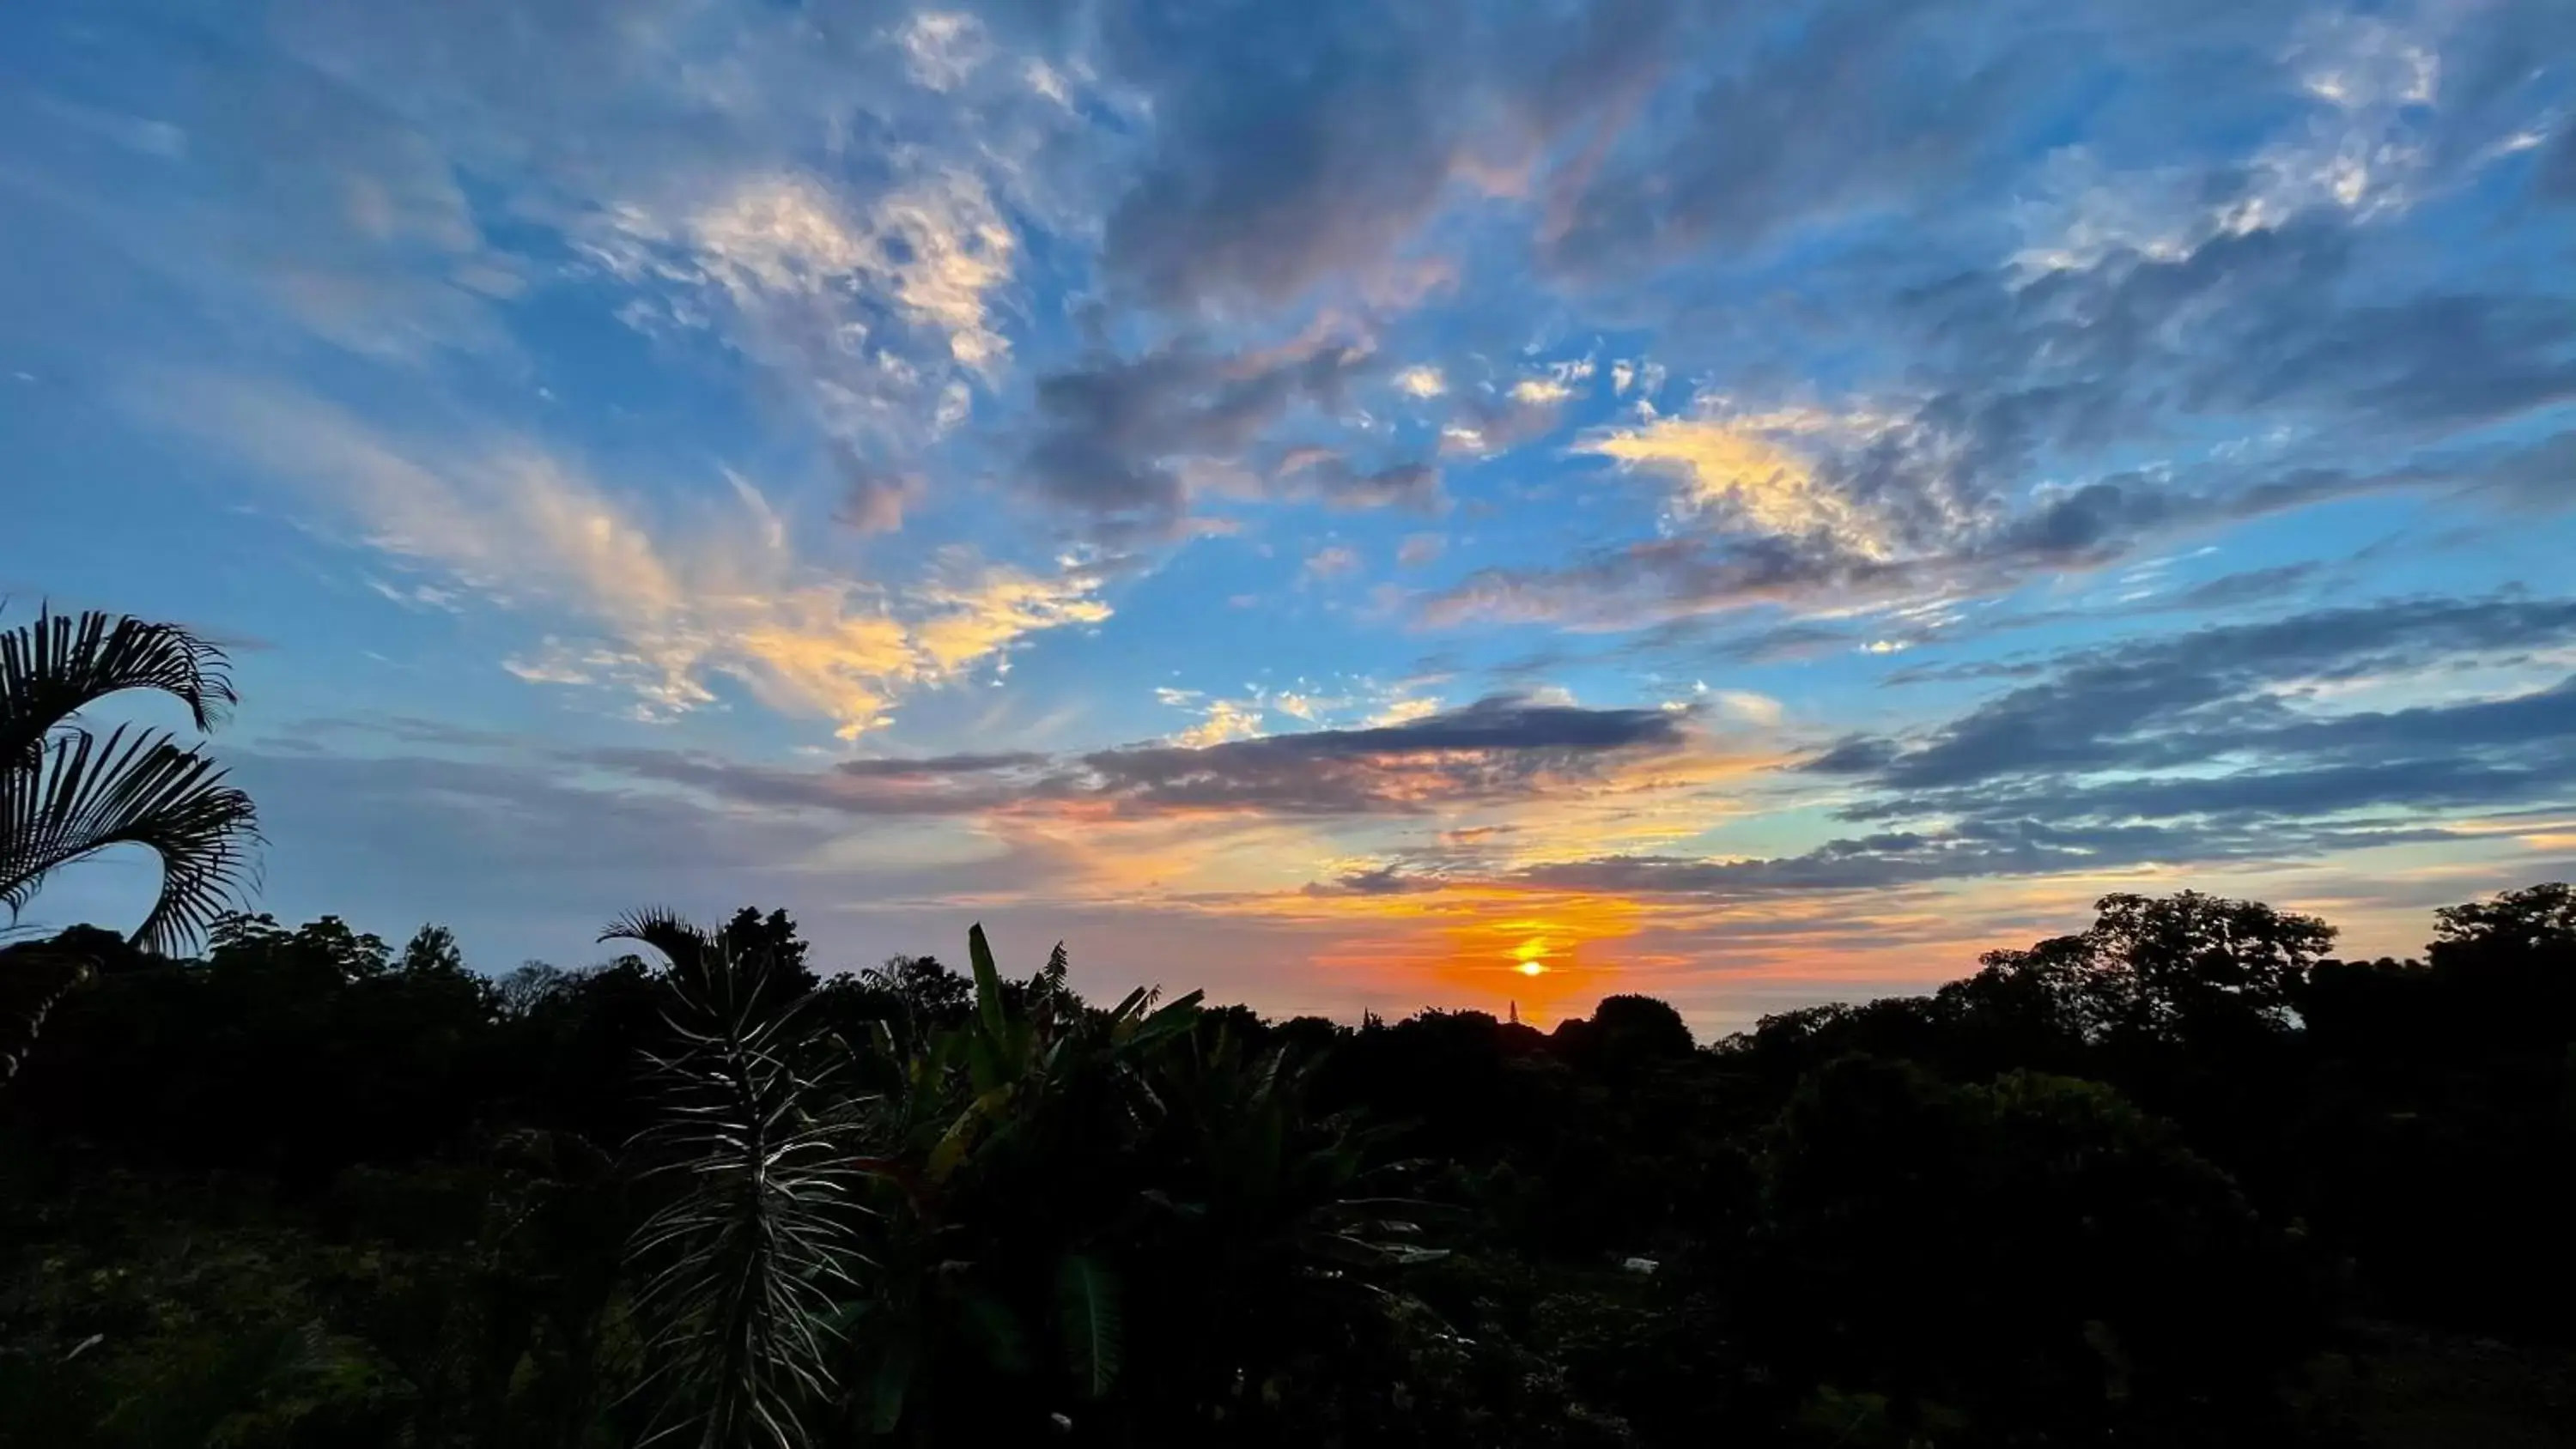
(2181, 1179)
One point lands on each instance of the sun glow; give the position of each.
(1532, 956)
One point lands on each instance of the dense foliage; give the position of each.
(2182, 1179)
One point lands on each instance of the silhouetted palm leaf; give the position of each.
(665, 931)
(62, 664)
(135, 787)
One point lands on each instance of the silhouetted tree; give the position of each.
(1642, 1027)
(2168, 967)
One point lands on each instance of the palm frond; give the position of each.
(746, 1261)
(135, 787)
(62, 663)
(663, 929)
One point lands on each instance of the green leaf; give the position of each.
(988, 981)
(886, 1389)
(991, 1322)
(1171, 1020)
(1087, 1298)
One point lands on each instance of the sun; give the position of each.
(1532, 955)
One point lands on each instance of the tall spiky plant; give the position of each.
(67, 793)
(747, 1262)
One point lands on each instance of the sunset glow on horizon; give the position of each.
(1350, 507)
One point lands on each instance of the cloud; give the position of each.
(1975, 851)
(1916, 108)
(2229, 744)
(1308, 151)
(1307, 147)
(1746, 705)
(1331, 562)
(1737, 469)
(1499, 747)
(2250, 586)
(1423, 382)
(1899, 500)
(881, 312)
(337, 222)
(1125, 443)
(1224, 720)
(725, 593)
(2162, 703)
(1384, 880)
(1334, 482)
(1420, 759)
(2329, 731)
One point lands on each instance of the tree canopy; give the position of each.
(2181, 1178)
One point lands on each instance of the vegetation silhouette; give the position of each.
(2183, 1178)
(67, 793)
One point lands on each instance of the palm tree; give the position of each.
(67, 793)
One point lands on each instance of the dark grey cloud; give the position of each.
(933, 766)
(1858, 105)
(1501, 747)
(1120, 436)
(1973, 850)
(1960, 537)
(2179, 750)
(1330, 479)
(1783, 642)
(2184, 699)
(956, 784)
(1713, 569)
(1386, 880)
(1905, 111)
(1302, 143)
(2249, 586)
(1494, 749)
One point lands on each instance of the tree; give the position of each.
(2511, 962)
(2537, 920)
(2170, 967)
(772, 944)
(432, 951)
(1642, 1026)
(2034, 1253)
(926, 990)
(66, 793)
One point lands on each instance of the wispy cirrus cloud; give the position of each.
(721, 591)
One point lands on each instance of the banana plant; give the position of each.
(1015, 1096)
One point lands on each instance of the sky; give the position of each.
(1353, 505)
